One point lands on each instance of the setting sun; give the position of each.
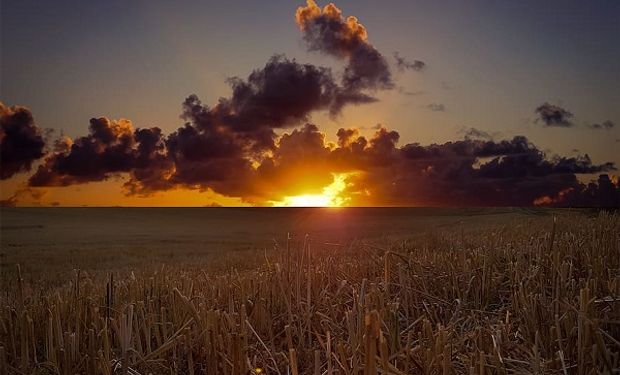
(307, 200)
(332, 195)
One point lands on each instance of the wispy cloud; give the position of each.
(436, 107)
(605, 125)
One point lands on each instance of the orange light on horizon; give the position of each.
(332, 195)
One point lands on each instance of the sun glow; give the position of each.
(332, 195)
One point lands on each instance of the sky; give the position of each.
(538, 79)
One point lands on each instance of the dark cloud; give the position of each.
(152, 165)
(21, 141)
(404, 64)
(327, 31)
(534, 164)
(469, 173)
(605, 192)
(208, 152)
(112, 147)
(280, 94)
(468, 149)
(606, 125)
(553, 115)
(436, 107)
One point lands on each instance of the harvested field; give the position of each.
(518, 294)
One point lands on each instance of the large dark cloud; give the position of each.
(470, 173)
(605, 192)
(327, 31)
(554, 115)
(281, 94)
(21, 141)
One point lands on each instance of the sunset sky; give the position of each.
(413, 103)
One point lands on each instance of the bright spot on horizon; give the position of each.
(330, 197)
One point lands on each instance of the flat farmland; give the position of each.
(309, 291)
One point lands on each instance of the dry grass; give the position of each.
(532, 297)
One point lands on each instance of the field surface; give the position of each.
(309, 291)
(61, 239)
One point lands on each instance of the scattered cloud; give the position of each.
(553, 116)
(403, 64)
